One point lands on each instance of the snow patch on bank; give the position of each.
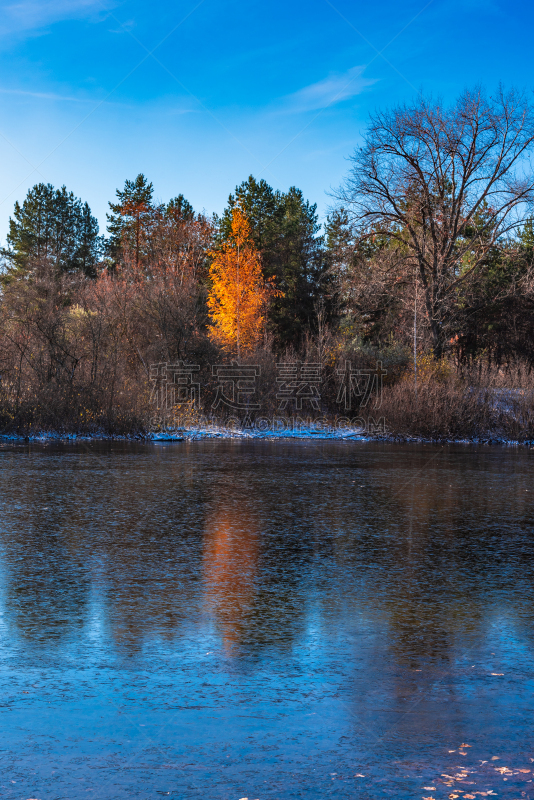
(213, 431)
(222, 432)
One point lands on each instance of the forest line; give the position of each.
(425, 264)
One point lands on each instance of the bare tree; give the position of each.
(162, 303)
(445, 186)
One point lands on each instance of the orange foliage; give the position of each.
(238, 294)
(230, 565)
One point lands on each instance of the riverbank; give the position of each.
(228, 433)
(432, 412)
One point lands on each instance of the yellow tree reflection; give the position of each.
(231, 550)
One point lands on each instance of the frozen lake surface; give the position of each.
(266, 620)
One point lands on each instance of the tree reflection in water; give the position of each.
(358, 608)
(230, 565)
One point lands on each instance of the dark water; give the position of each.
(266, 620)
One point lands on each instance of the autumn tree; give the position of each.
(168, 294)
(445, 187)
(285, 230)
(239, 293)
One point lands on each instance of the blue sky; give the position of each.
(198, 95)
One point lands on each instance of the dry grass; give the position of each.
(452, 409)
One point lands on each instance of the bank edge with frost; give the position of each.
(222, 432)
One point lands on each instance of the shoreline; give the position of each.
(223, 433)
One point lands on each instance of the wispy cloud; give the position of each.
(329, 91)
(125, 27)
(34, 15)
(170, 105)
(45, 96)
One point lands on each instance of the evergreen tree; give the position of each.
(301, 271)
(130, 219)
(494, 313)
(526, 237)
(180, 208)
(53, 225)
(263, 210)
(90, 244)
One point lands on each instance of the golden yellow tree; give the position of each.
(238, 294)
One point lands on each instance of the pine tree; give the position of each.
(130, 219)
(52, 225)
(180, 209)
(262, 207)
(301, 271)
